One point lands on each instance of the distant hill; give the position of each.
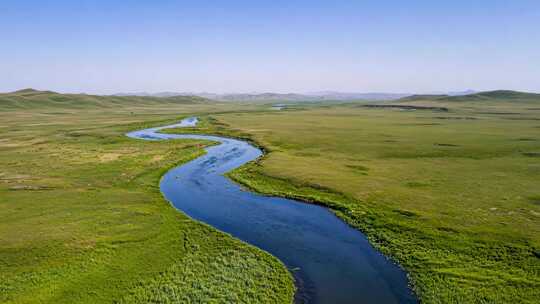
(333, 95)
(269, 96)
(159, 94)
(30, 98)
(261, 97)
(507, 95)
(30, 92)
(498, 95)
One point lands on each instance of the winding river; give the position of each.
(331, 262)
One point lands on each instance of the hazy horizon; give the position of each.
(98, 47)
(313, 93)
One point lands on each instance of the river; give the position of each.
(331, 261)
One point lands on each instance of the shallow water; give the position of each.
(332, 262)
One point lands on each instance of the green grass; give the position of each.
(83, 220)
(453, 197)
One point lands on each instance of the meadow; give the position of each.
(83, 219)
(447, 187)
(451, 193)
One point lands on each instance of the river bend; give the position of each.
(331, 262)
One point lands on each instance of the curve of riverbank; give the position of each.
(331, 262)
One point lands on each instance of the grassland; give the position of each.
(83, 220)
(452, 196)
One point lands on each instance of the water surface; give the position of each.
(332, 262)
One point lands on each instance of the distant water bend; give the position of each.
(331, 262)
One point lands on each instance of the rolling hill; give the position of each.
(497, 95)
(30, 98)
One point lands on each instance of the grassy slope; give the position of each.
(33, 99)
(453, 196)
(489, 96)
(500, 95)
(83, 219)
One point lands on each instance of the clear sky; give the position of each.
(104, 46)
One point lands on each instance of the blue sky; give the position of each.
(282, 46)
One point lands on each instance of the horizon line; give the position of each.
(309, 93)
